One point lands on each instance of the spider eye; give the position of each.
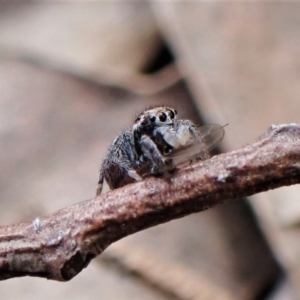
(138, 118)
(172, 114)
(162, 117)
(152, 119)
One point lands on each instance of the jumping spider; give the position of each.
(157, 144)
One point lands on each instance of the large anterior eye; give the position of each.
(152, 119)
(162, 117)
(172, 114)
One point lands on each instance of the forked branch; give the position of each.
(60, 245)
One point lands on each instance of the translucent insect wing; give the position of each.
(208, 136)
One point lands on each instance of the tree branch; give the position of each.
(59, 246)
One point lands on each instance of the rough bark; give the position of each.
(60, 245)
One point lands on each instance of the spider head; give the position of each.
(152, 118)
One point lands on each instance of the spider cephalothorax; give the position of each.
(157, 144)
(152, 118)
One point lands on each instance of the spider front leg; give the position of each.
(150, 153)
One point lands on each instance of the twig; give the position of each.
(59, 246)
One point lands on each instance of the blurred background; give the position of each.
(73, 75)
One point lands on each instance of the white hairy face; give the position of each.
(154, 117)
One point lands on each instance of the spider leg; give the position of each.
(100, 184)
(133, 174)
(152, 154)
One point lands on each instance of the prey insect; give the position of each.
(157, 144)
